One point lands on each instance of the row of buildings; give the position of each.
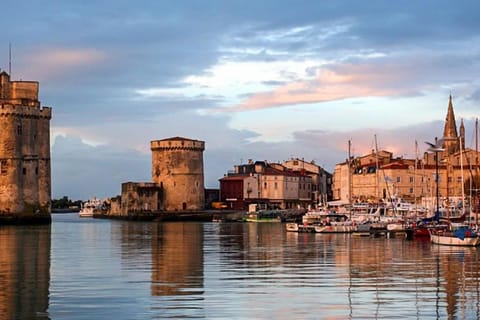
(291, 184)
(377, 176)
(177, 183)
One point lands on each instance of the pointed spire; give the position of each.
(450, 131)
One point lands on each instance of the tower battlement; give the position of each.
(177, 143)
(22, 111)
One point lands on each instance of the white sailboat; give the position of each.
(456, 234)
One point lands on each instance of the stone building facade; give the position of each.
(140, 197)
(379, 175)
(177, 166)
(269, 184)
(25, 178)
(177, 181)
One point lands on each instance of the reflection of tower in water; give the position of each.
(459, 282)
(24, 271)
(177, 259)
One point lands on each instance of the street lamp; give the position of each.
(436, 148)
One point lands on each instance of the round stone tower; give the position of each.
(177, 165)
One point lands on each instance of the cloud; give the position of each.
(299, 82)
(82, 171)
(47, 63)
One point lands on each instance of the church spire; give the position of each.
(450, 131)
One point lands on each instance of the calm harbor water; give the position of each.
(105, 269)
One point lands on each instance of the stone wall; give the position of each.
(141, 197)
(25, 179)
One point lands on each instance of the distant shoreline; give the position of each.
(64, 210)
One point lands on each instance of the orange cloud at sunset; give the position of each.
(52, 62)
(347, 81)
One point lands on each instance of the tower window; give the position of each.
(19, 130)
(3, 167)
(24, 170)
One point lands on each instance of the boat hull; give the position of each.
(263, 220)
(85, 213)
(451, 240)
(308, 228)
(334, 229)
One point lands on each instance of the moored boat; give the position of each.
(322, 221)
(264, 216)
(89, 207)
(456, 235)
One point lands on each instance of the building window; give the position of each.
(411, 179)
(399, 179)
(24, 171)
(411, 190)
(275, 185)
(3, 167)
(19, 130)
(36, 170)
(264, 185)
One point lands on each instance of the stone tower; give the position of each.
(25, 183)
(177, 166)
(451, 144)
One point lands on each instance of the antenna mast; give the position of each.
(10, 59)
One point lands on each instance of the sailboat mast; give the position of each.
(349, 163)
(377, 187)
(476, 175)
(415, 175)
(349, 171)
(463, 185)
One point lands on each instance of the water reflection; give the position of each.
(458, 273)
(129, 270)
(177, 259)
(24, 271)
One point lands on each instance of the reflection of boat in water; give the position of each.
(264, 216)
(89, 207)
(456, 235)
(255, 214)
(322, 221)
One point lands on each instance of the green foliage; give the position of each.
(65, 202)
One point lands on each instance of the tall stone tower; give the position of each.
(451, 143)
(25, 183)
(177, 165)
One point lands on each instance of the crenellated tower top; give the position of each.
(177, 143)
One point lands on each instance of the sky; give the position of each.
(263, 80)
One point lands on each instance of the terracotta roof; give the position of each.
(235, 177)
